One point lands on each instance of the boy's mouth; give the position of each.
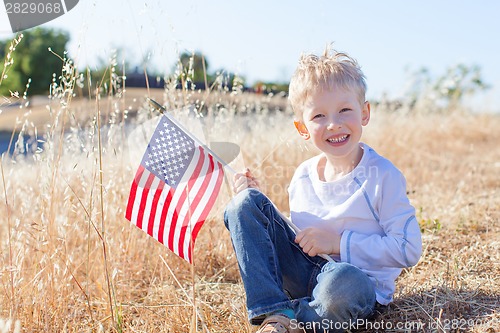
(338, 139)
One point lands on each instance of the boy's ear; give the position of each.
(302, 129)
(365, 114)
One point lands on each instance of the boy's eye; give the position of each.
(345, 110)
(317, 116)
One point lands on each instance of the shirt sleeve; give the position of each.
(401, 244)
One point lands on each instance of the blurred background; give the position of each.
(445, 49)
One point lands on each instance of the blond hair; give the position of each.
(326, 72)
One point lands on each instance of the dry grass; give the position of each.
(53, 269)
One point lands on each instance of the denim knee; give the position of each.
(242, 202)
(344, 292)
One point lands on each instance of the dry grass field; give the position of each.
(71, 262)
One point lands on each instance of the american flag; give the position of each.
(174, 188)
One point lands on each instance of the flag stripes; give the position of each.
(174, 214)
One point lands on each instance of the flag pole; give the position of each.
(164, 111)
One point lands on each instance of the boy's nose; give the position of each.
(333, 125)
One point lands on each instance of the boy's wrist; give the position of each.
(332, 246)
(336, 245)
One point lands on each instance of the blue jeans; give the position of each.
(278, 275)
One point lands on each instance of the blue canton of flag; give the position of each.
(169, 152)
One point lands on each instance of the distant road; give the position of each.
(38, 112)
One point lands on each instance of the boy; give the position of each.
(349, 203)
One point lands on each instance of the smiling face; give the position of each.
(333, 120)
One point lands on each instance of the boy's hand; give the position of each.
(314, 241)
(243, 180)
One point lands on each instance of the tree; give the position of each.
(445, 92)
(107, 74)
(3, 49)
(33, 59)
(193, 67)
(458, 82)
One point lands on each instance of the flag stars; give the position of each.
(169, 152)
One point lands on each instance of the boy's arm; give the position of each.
(401, 245)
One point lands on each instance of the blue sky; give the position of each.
(263, 39)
